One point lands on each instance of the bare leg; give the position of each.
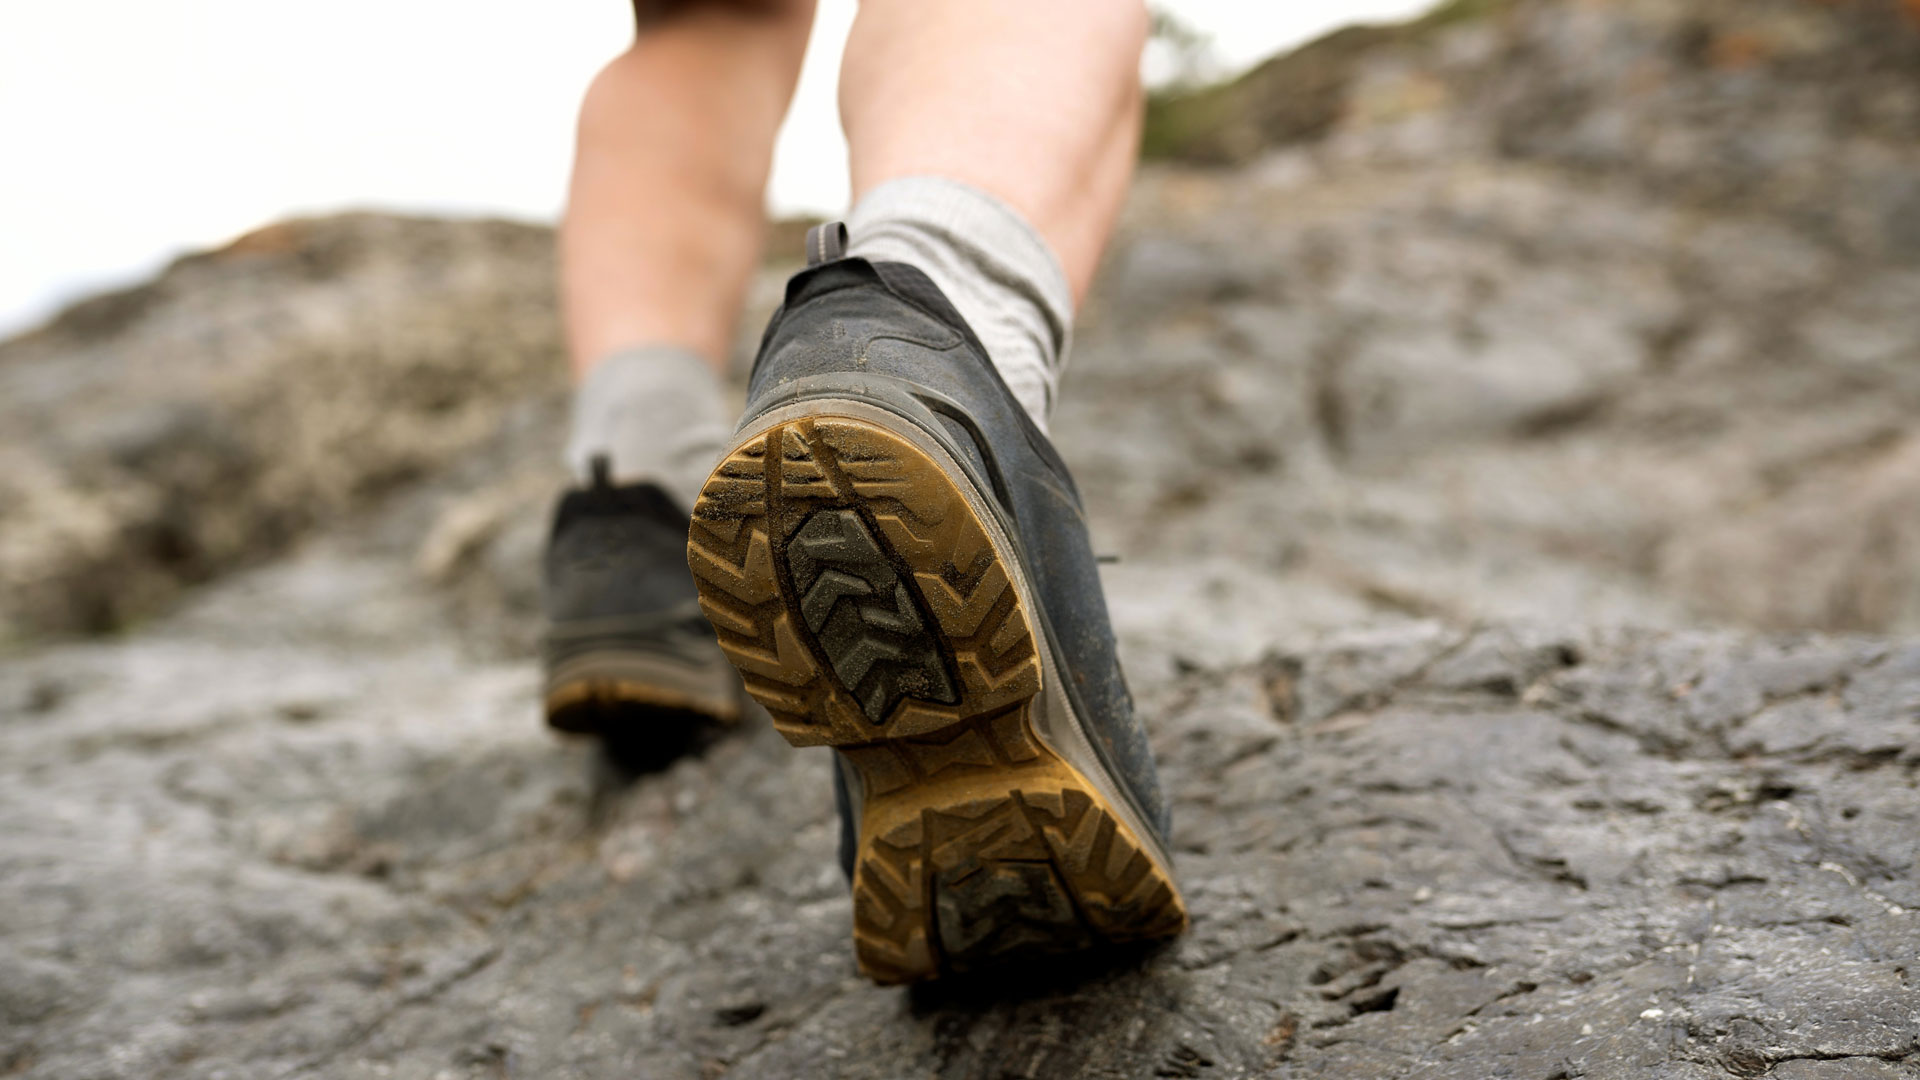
(1036, 102)
(665, 217)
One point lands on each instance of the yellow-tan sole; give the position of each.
(868, 608)
(589, 693)
(614, 697)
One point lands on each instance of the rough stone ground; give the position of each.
(1518, 502)
(292, 831)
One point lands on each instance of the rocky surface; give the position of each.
(1575, 312)
(1595, 309)
(1517, 496)
(292, 832)
(153, 438)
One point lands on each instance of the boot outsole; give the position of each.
(616, 686)
(869, 608)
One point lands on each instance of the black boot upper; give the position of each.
(884, 333)
(616, 568)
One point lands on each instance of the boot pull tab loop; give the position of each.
(826, 242)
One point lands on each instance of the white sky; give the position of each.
(134, 130)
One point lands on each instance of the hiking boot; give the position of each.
(628, 654)
(896, 560)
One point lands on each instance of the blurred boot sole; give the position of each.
(617, 687)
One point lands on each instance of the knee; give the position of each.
(767, 36)
(613, 91)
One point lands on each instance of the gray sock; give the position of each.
(999, 273)
(659, 414)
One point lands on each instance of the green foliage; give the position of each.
(1458, 11)
(1189, 49)
(1292, 97)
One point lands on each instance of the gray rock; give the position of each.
(344, 849)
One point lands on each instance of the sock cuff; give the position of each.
(997, 270)
(658, 413)
(645, 367)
